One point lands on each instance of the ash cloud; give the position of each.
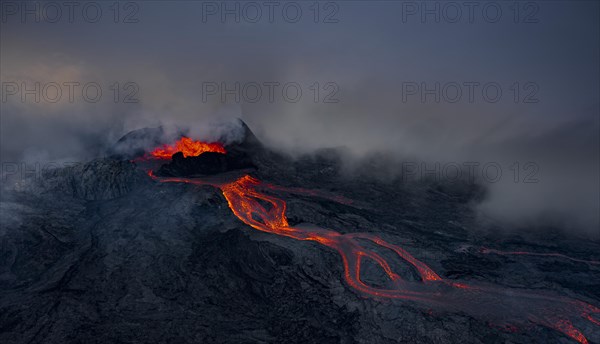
(368, 55)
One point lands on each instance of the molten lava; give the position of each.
(188, 147)
(508, 306)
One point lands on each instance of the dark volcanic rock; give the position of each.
(204, 164)
(99, 253)
(100, 179)
(250, 144)
(240, 155)
(137, 142)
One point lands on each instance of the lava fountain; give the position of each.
(252, 202)
(188, 147)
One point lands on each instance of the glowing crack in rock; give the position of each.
(502, 306)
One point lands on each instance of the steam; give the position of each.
(374, 55)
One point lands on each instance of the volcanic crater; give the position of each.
(236, 243)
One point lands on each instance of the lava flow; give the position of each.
(188, 147)
(499, 305)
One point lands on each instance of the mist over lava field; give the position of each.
(300, 172)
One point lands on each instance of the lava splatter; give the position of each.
(188, 147)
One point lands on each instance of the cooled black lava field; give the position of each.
(109, 252)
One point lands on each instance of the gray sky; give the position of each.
(363, 59)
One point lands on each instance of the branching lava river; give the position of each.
(253, 203)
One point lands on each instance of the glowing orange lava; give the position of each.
(496, 304)
(188, 147)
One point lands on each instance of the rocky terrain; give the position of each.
(101, 253)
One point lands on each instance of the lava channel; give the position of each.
(502, 306)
